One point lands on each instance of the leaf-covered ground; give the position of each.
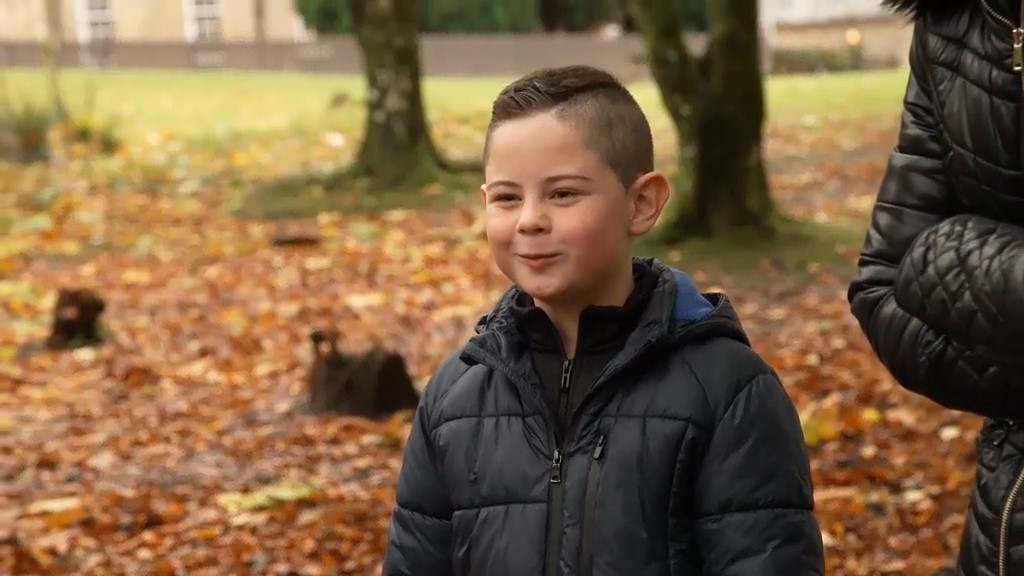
(180, 447)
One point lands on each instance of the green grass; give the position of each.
(302, 196)
(795, 249)
(212, 105)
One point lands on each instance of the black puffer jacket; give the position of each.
(685, 458)
(940, 288)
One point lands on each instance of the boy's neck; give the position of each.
(566, 317)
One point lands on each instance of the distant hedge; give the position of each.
(799, 61)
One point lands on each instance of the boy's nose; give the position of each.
(533, 218)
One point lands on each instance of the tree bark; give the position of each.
(259, 17)
(716, 103)
(627, 19)
(397, 144)
(553, 15)
(51, 58)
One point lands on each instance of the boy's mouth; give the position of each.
(538, 259)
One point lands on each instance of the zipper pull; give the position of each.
(556, 467)
(1018, 49)
(566, 374)
(599, 449)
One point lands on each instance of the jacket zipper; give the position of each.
(590, 508)
(1018, 37)
(1018, 48)
(563, 397)
(614, 368)
(555, 486)
(1011, 499)
(555, 499)
(1006, 514)
(554, 544)
(1004, 521)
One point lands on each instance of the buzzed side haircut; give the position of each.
(595, 103)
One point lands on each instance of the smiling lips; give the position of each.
(538, 259)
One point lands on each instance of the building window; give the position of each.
(202, 21)
(94, 21)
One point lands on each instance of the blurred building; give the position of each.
(882, 38)
(156, 21)
(797, 36)
(807, 11)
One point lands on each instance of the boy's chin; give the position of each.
(545, 292)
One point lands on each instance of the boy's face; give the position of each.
(558, 220)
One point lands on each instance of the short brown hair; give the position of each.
(607, 116)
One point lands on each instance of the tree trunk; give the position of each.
(626, 18)
(716, 103)
(730, 166)
(397, 145)
(51, 58)
(259, 17)
(553, 15)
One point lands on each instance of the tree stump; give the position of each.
(76, 319)
(373, 385)
(300, 239)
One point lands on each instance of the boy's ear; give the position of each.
(647, 197)
(483, 192)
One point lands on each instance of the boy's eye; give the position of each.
(563, 193)
(504, 197)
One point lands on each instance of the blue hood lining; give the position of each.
(690, 305)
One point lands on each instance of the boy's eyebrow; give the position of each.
(548, 180)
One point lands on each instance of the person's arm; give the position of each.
(420, 532)
(965, 278)
(915, 196)
(753, 499)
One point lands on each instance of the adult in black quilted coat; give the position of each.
(940, 288)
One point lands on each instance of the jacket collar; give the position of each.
(676, 310)
(600, 327)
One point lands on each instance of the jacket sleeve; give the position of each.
(419, 535)
(915, 197)
(965, 278)
(753, 497)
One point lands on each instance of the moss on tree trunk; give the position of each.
(397, 147)
(716, 102)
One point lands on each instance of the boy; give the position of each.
(607, 418)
